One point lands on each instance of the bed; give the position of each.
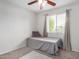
(49, 45)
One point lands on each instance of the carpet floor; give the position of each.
(19, 53)
(35, 55)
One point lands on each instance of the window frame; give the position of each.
(48, 17)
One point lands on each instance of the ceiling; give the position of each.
(35, 7)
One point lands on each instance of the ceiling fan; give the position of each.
(42, 2)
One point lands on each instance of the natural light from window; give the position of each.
(56, 23)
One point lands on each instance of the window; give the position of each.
(56, 23)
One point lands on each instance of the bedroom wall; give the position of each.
(74, 18)
(16, 24)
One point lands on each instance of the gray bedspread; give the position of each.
(50, 45)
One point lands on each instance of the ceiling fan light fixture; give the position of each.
(42, 3)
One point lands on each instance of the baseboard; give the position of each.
(7, 51)
(21, 45)
(10, 50)
(75, 50)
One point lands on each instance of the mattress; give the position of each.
(50, 45)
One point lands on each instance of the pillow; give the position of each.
(36, 34)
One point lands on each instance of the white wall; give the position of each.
(74, 18)
(16, 24)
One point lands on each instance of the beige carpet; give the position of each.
(19, 53)
(35, 55)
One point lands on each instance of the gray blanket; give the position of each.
(50, 45)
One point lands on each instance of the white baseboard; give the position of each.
(23, 44)
(75, 50)
(8, 51)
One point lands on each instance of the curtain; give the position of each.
(67, 36)
(45, 34)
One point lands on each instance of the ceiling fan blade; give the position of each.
(51, 3)
(32, 2)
